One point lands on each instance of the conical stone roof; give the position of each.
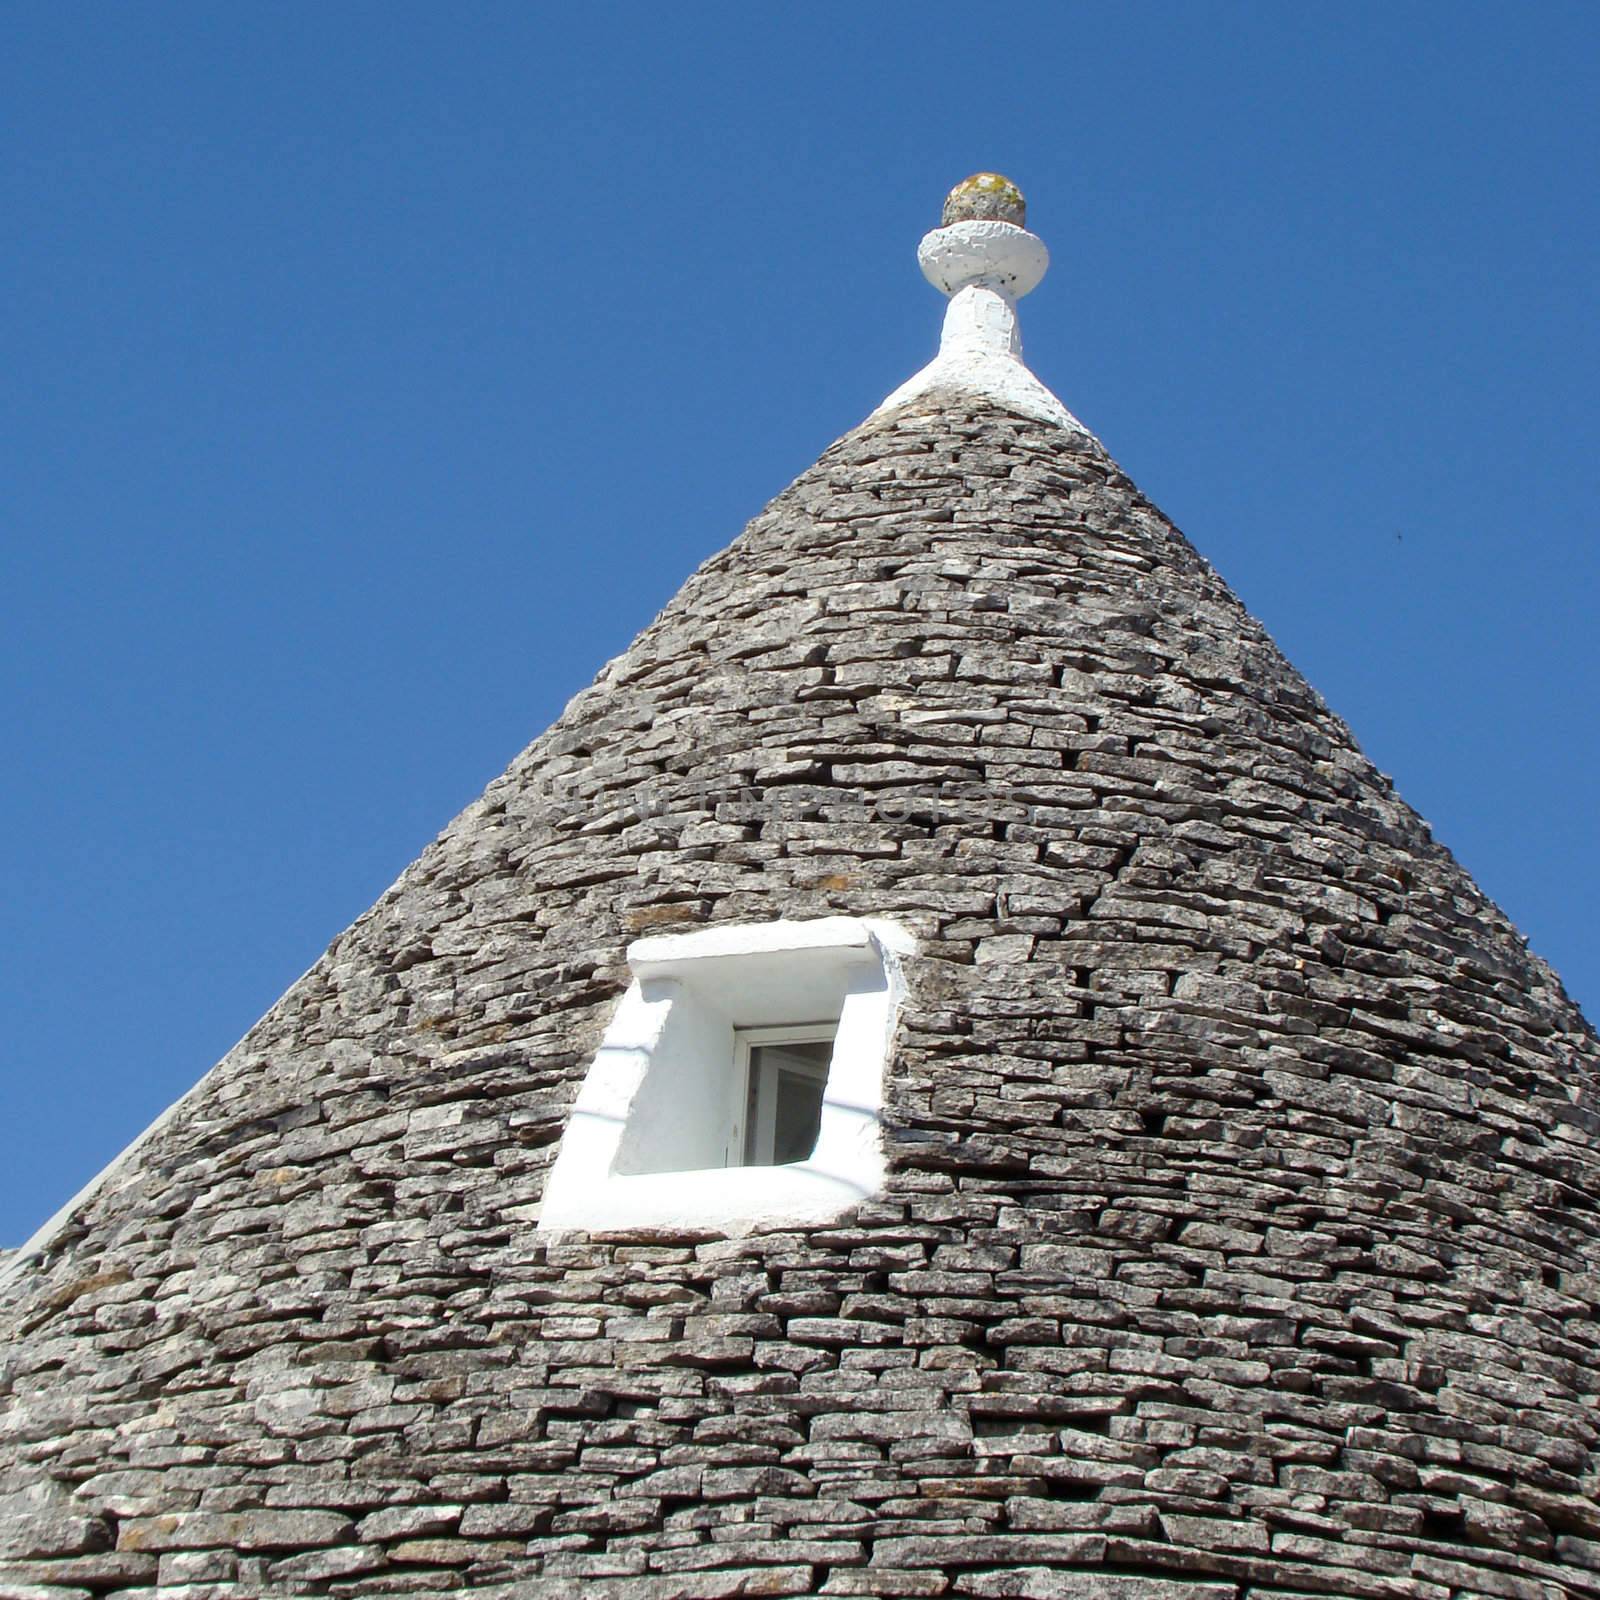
(1239, 1229)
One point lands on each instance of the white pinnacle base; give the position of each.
(998, 376)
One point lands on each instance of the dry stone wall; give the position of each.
(1241, 1233)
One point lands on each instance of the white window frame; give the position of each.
(659, 1117)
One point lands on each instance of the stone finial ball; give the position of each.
(986, 197)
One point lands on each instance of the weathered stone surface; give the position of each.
(236, 1530)
(1041, 1583)
(408, 1522)
(1240, 1237)
(28, 1534)
(106, 1569)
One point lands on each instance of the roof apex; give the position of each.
(983, 260)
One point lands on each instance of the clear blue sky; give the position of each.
(372, 372)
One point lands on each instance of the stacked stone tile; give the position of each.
(1241, 1231)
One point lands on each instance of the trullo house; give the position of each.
(945, 1073)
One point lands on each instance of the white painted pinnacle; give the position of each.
(984, 264)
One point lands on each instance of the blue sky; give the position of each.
(372, 373)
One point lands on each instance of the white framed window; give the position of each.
(739, 1084)
(784, 1075)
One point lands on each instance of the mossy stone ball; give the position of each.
(986, 197)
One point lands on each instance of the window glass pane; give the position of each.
(810, 1055)
(784, 1109)
(798, 1118)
